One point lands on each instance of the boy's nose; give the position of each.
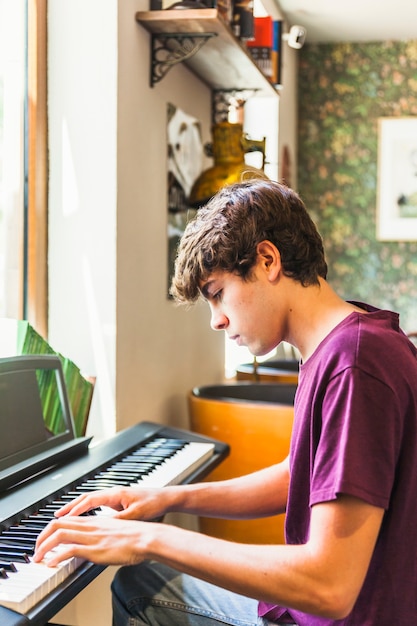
(218, 321)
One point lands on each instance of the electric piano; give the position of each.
(38, 479)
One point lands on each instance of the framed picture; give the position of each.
(397, 179)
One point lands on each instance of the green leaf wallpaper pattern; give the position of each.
(343, 90)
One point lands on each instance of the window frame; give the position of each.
(36, 195)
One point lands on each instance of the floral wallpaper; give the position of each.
(343, 90)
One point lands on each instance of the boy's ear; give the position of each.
(270, 258)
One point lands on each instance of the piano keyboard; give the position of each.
(160, 462)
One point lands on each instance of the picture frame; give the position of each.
(397, 179)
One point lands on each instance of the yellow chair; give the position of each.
(255, 419)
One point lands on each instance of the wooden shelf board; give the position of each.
(223, 63)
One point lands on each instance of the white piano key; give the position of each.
(180, 466)
(32, 582)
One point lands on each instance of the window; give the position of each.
(23, 169)
(12, 96)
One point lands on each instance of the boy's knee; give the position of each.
(127, 577)
(146, 579)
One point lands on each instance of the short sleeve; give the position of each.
(357, 441)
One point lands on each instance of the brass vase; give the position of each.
(228, 150)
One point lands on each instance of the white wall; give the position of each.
(82, 87)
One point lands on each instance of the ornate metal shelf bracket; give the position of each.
(168, 49)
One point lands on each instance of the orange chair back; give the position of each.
(259, 435)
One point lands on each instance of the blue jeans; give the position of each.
(156, 595)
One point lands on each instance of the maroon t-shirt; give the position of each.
(355, 433)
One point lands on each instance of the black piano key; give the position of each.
(131, 464)
(127, 479)
(23, 531)
(157, 444)
(129, 458)
(18, 557)
(8, 566)
(144, 455)
(104, 476)
(19, 534)
(149, 450)
(125, 474)
(150, 456)
(92, 511)
(165, 449)
(6, 549)
(3, 573)
(16, 540)
(44, 519)
(95, 486)
(125, 468)
(48, 513)
(110, 482)
(19, 542)
(83, 488)
(137, 470)
(34, 525)
(139, 463)
(89, 488)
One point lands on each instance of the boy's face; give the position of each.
(245, 309)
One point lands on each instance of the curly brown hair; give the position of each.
(225, 233)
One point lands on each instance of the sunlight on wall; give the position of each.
(70, 198)
(102, 418)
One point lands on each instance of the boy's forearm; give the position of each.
(259, 494)
(323, 576)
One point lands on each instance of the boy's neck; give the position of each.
(317, 312)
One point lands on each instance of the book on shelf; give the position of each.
(265, 47)
(18, 337)
(243, 21)
(276, 51)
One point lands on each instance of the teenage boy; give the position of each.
(349, 483)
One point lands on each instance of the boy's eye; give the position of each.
(217, 295)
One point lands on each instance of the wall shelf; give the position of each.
(222, 63)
